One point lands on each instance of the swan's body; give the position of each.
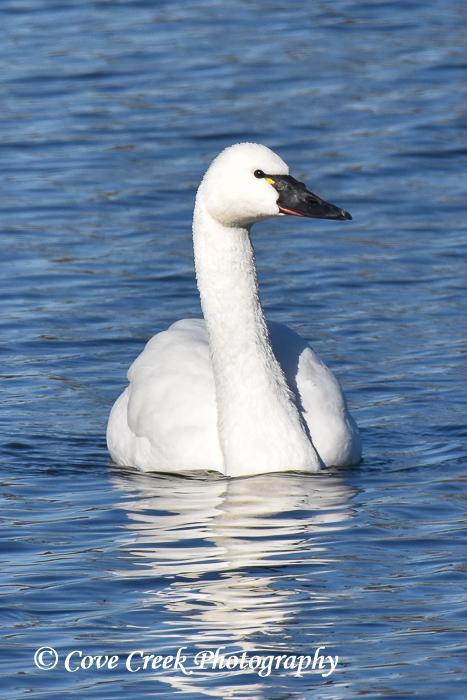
(232, 393)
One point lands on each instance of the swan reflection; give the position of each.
(227, 557)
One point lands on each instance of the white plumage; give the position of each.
(232, 393)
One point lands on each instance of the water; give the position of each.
(110, 113)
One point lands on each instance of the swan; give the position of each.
(233, 393)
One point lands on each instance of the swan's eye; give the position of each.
(259, 173)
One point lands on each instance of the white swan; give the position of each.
(232, 393)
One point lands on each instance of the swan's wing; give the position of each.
(166, 418)
(319, 398)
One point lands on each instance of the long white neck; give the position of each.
(259, 425)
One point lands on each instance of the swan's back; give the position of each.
(167, 416)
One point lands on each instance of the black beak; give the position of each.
(296, 200)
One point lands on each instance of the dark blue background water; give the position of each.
(110, 112)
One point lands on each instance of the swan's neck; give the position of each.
(259, 425)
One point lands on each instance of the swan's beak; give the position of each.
(296, 200)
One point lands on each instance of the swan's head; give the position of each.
(248, 182)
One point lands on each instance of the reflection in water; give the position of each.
(228, 552)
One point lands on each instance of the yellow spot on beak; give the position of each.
(270, 180)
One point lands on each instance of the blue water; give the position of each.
(111, 112)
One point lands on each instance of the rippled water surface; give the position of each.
(110, 113)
